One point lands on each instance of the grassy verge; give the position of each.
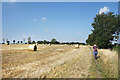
(96, 69)
(115, 48)
(119, 61)
(103, 67)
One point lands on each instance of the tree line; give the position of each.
(106, 30)
(29, 41)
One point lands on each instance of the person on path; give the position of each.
(95, 52)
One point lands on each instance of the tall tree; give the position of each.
(45, 42)
(40, 42)
(54, 41)
(29, 40)
(90, 40)
(13, 41)
(33, 42)
(21, 42)
(118, 40)
(104, 28)
(3, 40)
(24, 40)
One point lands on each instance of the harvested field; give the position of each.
(57, 61)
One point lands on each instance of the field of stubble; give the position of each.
(57, 61)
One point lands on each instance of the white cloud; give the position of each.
(104, 10)
(43, 18)
(34, 19)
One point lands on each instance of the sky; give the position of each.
(60, 0)
(65, 21)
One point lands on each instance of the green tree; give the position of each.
(90, 40)
(53, 41)
(33, 42)
(13, 41)
(29, 40)
(3, 40)
(45, 42)
(40, 42)
(24, 40)
(104, 28)
(21, 42)
(118, 40)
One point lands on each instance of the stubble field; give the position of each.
(57, 61)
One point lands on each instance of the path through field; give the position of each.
(74, 63)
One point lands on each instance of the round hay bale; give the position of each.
(49, 44)
(77, 46)
(32, 47)
(7, 43)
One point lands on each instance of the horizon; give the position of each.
(66, 22)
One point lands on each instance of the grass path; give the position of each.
(104, 67)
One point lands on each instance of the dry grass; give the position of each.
(56, 61)
(109, 62)
(13, 56)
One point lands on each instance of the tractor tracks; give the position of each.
(97, 66)
(38, 68)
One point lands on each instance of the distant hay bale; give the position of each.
(7, 43)
(33, 47)
(36, 44)
(77, 46)
(49, 44)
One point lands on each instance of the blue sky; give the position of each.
(65, 21)
(60, 0)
